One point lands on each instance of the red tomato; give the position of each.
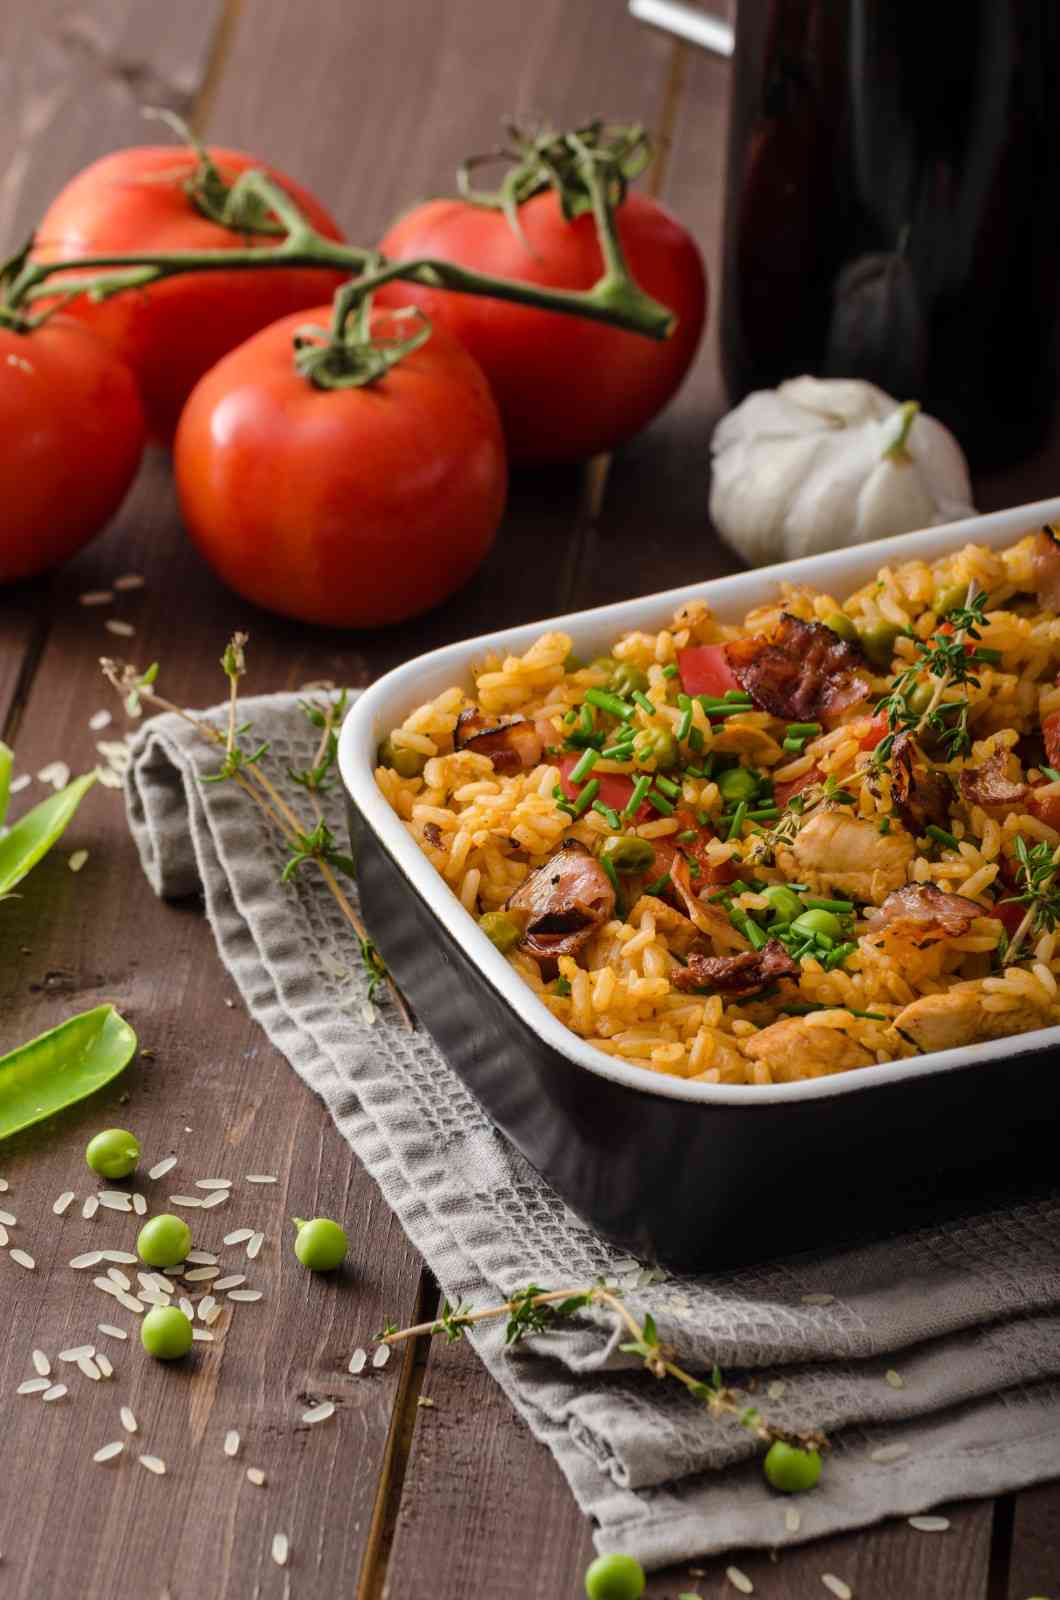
(782, 792)
(134, 201)
(876, 732)
(705, 669)
(71, 437)
(349, 507)
(1009, 914)
(1051, 737)
(1046, 807)
(566, 388)
(615, 787)
(712, 874)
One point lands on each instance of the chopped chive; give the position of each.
(557, 792)
(658, 886)
(755, 934)
(1051, 773)
(737, 694)
(720, 713)
(668, 787)
(720, 894)
(609, 868)
(941, 836)
(688, 837)
(694, 772)
(659, 803)
(828, 905)
(684, 727)
(622, 751)
(586, 721)
(684, 702)
(884, 825)
(612, 703)
(710, 702)
(824, 941)
(803, 729)
(709, 761)
(738, 886)
(703, 818)
(766, 814)
(565, 805)
(670, 670)
(610, 816)
(837, 956)
(737, 821)
(695, 739)
(636, 799)
(643, 701)
(694, 870)
(570, 716)
(794, 747)
(586, 797)
(561, 987)
(584, 766)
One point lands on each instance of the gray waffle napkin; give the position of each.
(945, 1341)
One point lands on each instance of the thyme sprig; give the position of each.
(308, 843)
(537, 1310)
(948, 664)
(1038, 867)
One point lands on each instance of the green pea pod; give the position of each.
(62, 1067)
(6, 759)
(34, 834)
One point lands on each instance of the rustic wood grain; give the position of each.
(1034, 1562)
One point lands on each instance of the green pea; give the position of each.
(320, 1244)
(790, 1469)
(164, 1241)
(877, 641)
(627, 678)
(843, 625)
(627, 853)
(825, 922)
(655, 744)
(614, 1578)
(738, 783)
(951, 598)
(165, 1333)
(920, 698)
(501, 930)
(406, 763)
(113, 1153)
(784, 901)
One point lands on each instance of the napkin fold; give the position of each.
(939, 1347)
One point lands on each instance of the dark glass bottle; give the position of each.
(893, 206)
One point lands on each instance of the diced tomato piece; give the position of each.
(877, 730)
(782, 792)
(710, 872)
(615, 787)
(705, 669)
(1009, 914)
(1046, 807)
(1051, 736)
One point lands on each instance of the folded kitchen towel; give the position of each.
(945, 1341)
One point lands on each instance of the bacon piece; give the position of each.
(566, 900)
(922, 908)
(511, 746)
(802, 672)
(920, 795)
(1047, 569)
(736, 976)
(988, 786)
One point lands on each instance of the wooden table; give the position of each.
(371, 105)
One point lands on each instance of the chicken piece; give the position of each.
(564, 902)
(792, 1049)
(944, 1021)
(681, 932)
(514, 746)
(839, 854)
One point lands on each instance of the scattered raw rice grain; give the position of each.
(358, 1362)
(186, 1306)
(201, 1274)
(776, 1389)
(185, 1200)
(792, 1519)
(107, 1286)
(23, 1258)
(319, 1413)
(254, 1246)
(4, 1235)
(128, 1420)
(895, 1379)
(124, 1258)
(122, 1279)
(739, 1580)
(89, 1368)
(103, 1362)
(154, 1280)
(4, 1186)
(281, 1547)
(174, 1272)
(115, 1333)
(140, 1204)
(129, 580)
(56, 1392)
(76, 860)
(155, 1297)
(57, 773)
(8, 1217)
(206, 1305)
(153, 1464)
(114, 1199)
(107, 1452)
(95, 597)
(90, 1207)
(34, 1386)
(261, 1177)
(381, 1356)
(41, 1363)
(231, 1444)
(16, 785)
(100, 720)
(817, 1299)
(202, 1258)
(65, 1200)
(108, 777)
(211, 1316)
(256, 1476)
(213, 1183)
(89, 1258)
(217, 1198)
(129, 1301)
(160, 1168)
(77, 1352)
(889, 1452)
(836, 1586)
(238, 1235)
(425, 1400)
(124, 630)
(929, 1524)
(233, 1281)
(245, 1294)
(203, 1335)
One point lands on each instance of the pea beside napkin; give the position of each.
(939, 1349)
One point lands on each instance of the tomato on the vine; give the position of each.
(566, 387)
(71, 437)
(136, 201)
(350, 507)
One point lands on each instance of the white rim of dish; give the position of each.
(391, 698)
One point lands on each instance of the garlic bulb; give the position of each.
(824, 462)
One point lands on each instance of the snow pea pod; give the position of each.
(34, 834)
(62, 1066)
